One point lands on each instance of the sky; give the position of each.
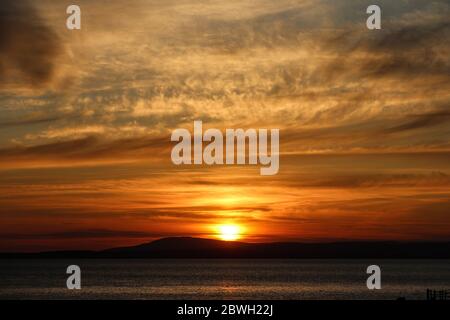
(86, 119)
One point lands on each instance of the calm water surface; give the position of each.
(221, 279)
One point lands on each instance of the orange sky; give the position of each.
(85, 129)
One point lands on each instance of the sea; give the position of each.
(251, 279)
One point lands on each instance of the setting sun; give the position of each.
(229, 232)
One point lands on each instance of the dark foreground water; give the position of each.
(221, 279)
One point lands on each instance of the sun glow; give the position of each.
(229, 232)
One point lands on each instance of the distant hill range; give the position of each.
(186, 247)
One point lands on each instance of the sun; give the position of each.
(229, 232)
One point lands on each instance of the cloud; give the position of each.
(398, 51)
(28, 46)
(85, 234)
(411, 37)
(363, 117)
(29, 121)
(422, 121)
(370, 180)
(87, 150)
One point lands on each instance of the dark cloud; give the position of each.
(396, 52)
(422, 121)
(89, 148)
(29, 121)
(28, 47)
(411, 37)
(370, 180)
(85, 234)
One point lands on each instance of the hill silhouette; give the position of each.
(187, 247)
